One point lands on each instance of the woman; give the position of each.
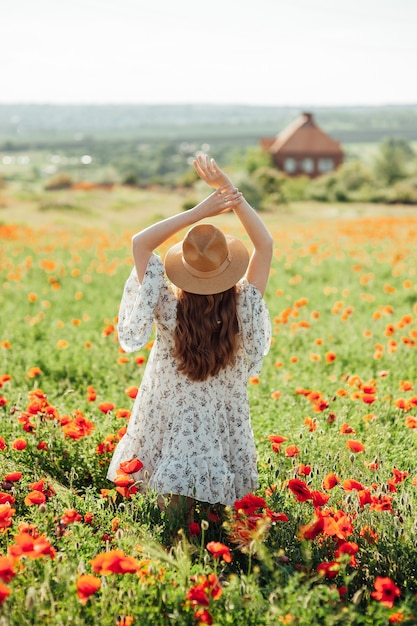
(190, 423)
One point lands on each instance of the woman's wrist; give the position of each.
(197, 213)
(243, 205)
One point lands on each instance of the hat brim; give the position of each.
(182, 278)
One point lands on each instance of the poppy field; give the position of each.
(329, 536)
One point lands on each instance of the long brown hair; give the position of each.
(205, 334)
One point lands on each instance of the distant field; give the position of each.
(127, 209)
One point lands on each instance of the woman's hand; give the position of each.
(210, 172)
(222, 200)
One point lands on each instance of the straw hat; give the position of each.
(206, 261)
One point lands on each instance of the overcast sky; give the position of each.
(271, 52)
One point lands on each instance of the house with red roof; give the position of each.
(303, 148)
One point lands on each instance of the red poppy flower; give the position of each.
(106, 407)
(91, 394)
(31, 547)
(346, 429)
(386, 591)
(383, 503)
(277, 438)
(249, 504)
(402, 403)
(4, 378)
(398, 476)
(348, 547)
(319, 498)
(34, 371)
(6, 497)
(331, 418)
(313, 529)
(19, 444)
(70, 516)
(368, 398)
(330, 569)
(127, 492)
(39, 485)
(194, 529)
(364, 496)
(132, 392)
(4, 593)
(276, 441)
(203, 617)
(275, 395)
(299, 489)
(122, 479)
(369, 534)
(131, 467)
(6, 513)
(7, 571)
(35, 497)
(28, 426)
(207, 587)
(330, 481)
(13, 477)
(87, 585)
(355, 445)
(291, 451)
(337, 524)
(219, 550)
(310, 423)
(213, 517)
(350, 485)
(114, 562)
(122, 413)
(197, 595)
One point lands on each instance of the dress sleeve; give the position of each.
(137, 307)
(255, 325)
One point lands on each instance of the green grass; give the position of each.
(345, 286)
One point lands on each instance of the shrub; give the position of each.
(354, 175)
(271, 182)
(131, 179)
(63, 180)
(252, 192)
(189, 204)
(322, 188)
(295, 187)
(393, 160)
(405, 191)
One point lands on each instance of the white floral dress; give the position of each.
(193, 438)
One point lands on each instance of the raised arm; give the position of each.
(260, 262)
(146, 241)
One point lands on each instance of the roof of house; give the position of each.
(303, 136)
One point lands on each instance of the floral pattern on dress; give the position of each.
(193, 438)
